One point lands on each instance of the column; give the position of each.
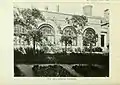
(79, 41)
(99, 41)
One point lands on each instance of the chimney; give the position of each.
(87, 10)
(57, 8)
(106, 14)
(46, 8)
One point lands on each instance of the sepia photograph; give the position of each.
(61, 39)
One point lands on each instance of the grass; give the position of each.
(61, 58)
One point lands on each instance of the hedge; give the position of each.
(60, 58)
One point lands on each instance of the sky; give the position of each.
(66, 7)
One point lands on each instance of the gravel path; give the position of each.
(72, 71)
(26, 69)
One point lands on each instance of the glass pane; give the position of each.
(102, 40)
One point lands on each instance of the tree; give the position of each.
(78, 20)
(29, 19)
(90, 38)
(35, 36)
(67, 40)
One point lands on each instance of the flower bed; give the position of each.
(51, 71)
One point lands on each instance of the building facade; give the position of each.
(57, 22)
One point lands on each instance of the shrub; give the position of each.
(51, 59)
(70, 50)
(56, 49)
(86, 49)
(76, 51)
(63, 50)
(52, 71)
(91, 71)
(60, 58)
(45, 49)
(97, 49)
(79, 49)
(53, 49)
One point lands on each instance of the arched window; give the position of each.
(71, 32)
(89, 36)
(48, 31)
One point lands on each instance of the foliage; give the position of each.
(51, 71)
(28, 19)
(67, 40)
(94, 71)
(59, 58)
(70, 50)
(51, 59)
(78, 20)
(86, 49)
(34, 35)
(89, 38)
(45, 49)
(56, 49)
(97, 49)
(78, 50)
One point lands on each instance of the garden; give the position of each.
(96, 65)
(40, 57)
(51, 71)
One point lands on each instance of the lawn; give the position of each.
(61, 58)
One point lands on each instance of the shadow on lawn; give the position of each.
(92, 71)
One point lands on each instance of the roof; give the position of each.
(96, 17)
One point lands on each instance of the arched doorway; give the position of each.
(49, 33)
(71, 32)
(89, 37)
